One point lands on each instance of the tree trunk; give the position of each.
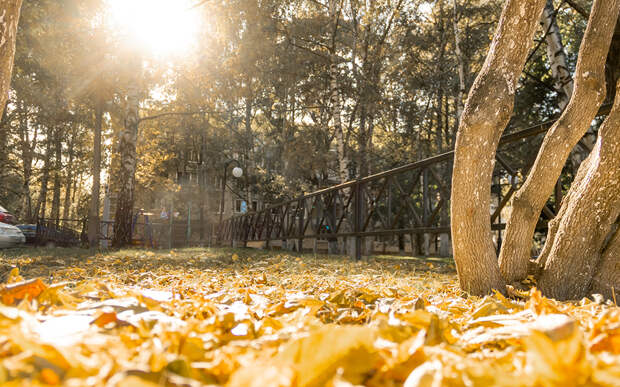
(607, 279)
(127, 174)
(93, 214)
(461, 63)
(69, 182)
(486, 114)
(587, 218)
(42, 201)
(562, 79)
(9, 18)
(57, 173)
(588, 95)
(335, 99)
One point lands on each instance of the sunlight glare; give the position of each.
(163, 27)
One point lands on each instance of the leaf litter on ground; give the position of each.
(248, 318)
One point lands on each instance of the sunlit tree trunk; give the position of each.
(587, 218)
(485, 116)
(41, 207)
(28, 145)
(588, 95)
(9, 18)
(69, 180)
(461, 62)
(58, 133)
(607, 279)
(93, 214)
(128, 162)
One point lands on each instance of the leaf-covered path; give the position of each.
(251, 318)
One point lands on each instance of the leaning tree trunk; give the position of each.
(9, 18)
(127, 174)
(486, 114)
(607, 279)
(586, 219)
(588, 95)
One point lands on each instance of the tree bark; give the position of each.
(587, 218)
(461, 63)
(69, 182)
(335, 100)
(93, 214)
(9, 19)
(486, 114)
(556, 55)
(57, 173)
(607, 279)
(127, 174)
(588, 95)
(42, 200)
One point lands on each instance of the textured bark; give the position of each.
(562, 79)
(486, 114)
(93, 214)
(587, 218)
(127, 173)
(607, 279)
(57, 174)
(9, 18)
(461, 63)
(588, 95)
(41, 206)
(69, 181)
(335, 100)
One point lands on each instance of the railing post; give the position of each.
(302, 211)
(356, 252)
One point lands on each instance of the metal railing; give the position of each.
(413, 199)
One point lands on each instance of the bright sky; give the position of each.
(163, 27)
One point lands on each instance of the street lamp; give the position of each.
(237, 173)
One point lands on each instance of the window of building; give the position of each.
(238, 206)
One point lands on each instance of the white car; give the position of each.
(10, 236)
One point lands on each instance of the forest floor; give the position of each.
(255, 318)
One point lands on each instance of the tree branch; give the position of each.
(580, 10)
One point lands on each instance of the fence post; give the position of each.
(171, 224)
(302, 211)
(356, 251)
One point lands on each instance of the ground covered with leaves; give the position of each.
(250, 318)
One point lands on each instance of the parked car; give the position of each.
(29, 231)
(5, 216)
(10, 236)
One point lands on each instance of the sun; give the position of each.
(162, 27)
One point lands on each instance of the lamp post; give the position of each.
(237, 173)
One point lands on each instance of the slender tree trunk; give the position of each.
(57, 173)
(556, 55)
(27, 146)
(93, 214)
(127, 174)
(69, 182)
(41, 207)
(9, 18)
(335, 99)
(486, 114)
(588, 95)
(461, 63)
(587, 218)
